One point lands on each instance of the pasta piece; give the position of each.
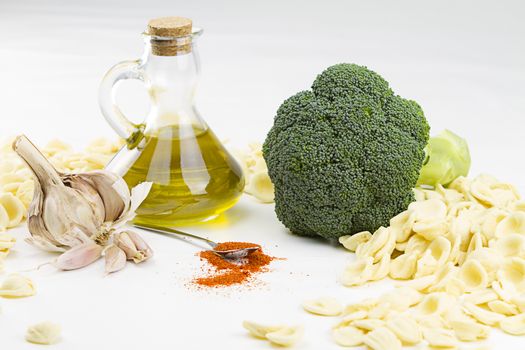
(519, 301)
(440, 249)
(260, 330)
(439, 337)
(481, 297)
(450, 196)
(351, 317)
(402, 298)
(420, 283)
(514, 223)
(430, 230)
(404, 266)
(511, 245)
(514, 325)
(381, 269)
(455, 287)
(17, 286)
(14, 207)
(382, 243)
(513, 271)
(6, 241)
(428, 210)
(348, 336)
(402, 224)
(473, 274)
(358, 273)
(432, 321)
(435, 304)
(45, 333)
(260, 186)
(469, 330)
(368, 324)
(502, 307)
(381, 311)
(417, 245)
(25, 192)
(102, 145)
(443, 276)
(323, 307)
(426, 265)
(364, 305)
(4, 219)
(382, 339)
(406, 329)
(484, 316)
(351, 242)
(491, 220)
(55, 146)
(286, 336)
(489, 258)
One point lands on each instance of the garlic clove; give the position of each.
(115, 259)
(17, 286)
(133, 245)
(79, 256)
(45, 333)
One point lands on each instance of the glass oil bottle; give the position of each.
(194, 177)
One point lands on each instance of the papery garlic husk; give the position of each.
(73, 209)
(133, 245)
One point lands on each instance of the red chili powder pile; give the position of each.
(227, 272)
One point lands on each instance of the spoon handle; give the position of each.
(172, 231)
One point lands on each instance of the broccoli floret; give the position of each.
(344, 156)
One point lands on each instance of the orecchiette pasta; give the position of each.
(323, 307)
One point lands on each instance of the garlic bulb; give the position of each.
(76, 213)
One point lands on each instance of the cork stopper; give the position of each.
(171, 35)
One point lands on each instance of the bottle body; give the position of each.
(194, 177)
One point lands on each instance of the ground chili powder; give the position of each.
(227, 272)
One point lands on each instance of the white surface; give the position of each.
(464, 62)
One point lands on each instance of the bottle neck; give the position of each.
(171, 82)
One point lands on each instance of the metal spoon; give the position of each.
(232, 254)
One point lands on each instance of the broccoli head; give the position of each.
(344, 156)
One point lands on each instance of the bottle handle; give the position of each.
(107, 93)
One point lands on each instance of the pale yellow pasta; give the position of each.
(406, 329)
(363, 305)
(55, 146)
(25, 192)
(6, 241)
(421, 283)
(17, 286)
(45, 333)
(404, 266)
(287, 336)
(351, 242)
(417, 245)
(440, 249)
(426, 265)
(323, 306)
(469, 330)
(359, 272)
(481, 296)
(259, 330)
(348, 336)
(351, 317)
(368, 324)
(14, 208)
(482, 315)
(430, 229)
(514, 223)
(381, 243)
(381, 269)
(381, 311)
(261, 187)
(510, 245)
(402, 298)
(4, 219)
(502, 307)
(382, 339)
(474, 275)
(402, 224)
(440, 337)
(428, 210)
(492, 218)
(514, 325)
(434, 304)
(513, 271)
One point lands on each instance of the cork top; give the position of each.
(170, 26)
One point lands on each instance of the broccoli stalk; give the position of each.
(447, 158)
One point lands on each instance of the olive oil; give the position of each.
(194, 177)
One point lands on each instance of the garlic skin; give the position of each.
(115, 259)
(77, 214)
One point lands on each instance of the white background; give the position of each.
(463, 61)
